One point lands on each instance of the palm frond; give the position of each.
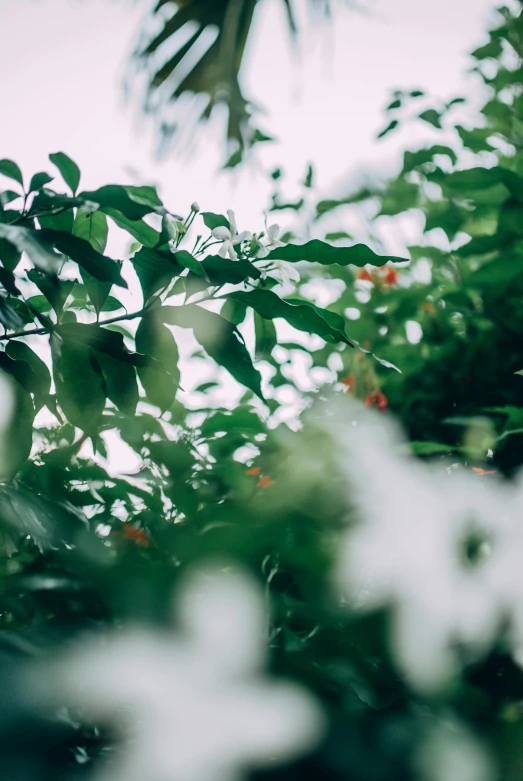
(197, 51)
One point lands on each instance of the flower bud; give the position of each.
(195, 207)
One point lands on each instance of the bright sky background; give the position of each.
(63, 64)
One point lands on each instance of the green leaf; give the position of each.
(155, 269)
(161, 380)
(55, 290)
(138, 229)
(479, 178)
(18, 433)
(21, 371)
(115, 197)
(302, 316)
(309, 177)
(221, 271)
(146, 194)
(11, 170)
(81, 252)
(92, 227)
(8, 316)
(38, 181)
(97, 291)
(68, 169)
(393, 124)
(121, 386)
(213, 221)
(431, 116)
(80, 386)
(265, 336)
(491, 50)
(41, 377)
(32, 242)
(220, 340)
(8, 281)
(412, 160)
(186, 260)
(317, 251)
(101, 340)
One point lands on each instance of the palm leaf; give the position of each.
(197, 52)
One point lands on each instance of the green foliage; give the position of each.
(84, 544)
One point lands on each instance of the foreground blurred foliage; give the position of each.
(85, 546)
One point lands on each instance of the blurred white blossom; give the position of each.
(442, 547)
(192, 705)
(230, 237)
(287, 272)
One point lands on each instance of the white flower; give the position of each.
(285, 270)
(408, 549)
(194, 706)
(230, 237)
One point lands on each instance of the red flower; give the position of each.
(136, 535)
(364, 275)
(377, 399)
(349, 381)
(391, 276)
(264, 482)
(479, 471)
(254, 471)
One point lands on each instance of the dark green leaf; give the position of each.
(161, 380)
(138, 229)
(317, 251)
(8, 316)
(80, 251)
(80, 386)
(102, 340)
(431, 116)
(18, 433)
(393, 124)
(116, 197)
(213, 221)
(221, 271)
(11, 170)
(41, 378)
(266, 338)
(219, 338)
(68, 169)
(39, 249)
(97, 291)
(8, 281)
(155, 269)
(38, 181)
(121, 386)
(55, 290)
(303, 316)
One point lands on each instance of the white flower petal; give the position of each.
(221, 233)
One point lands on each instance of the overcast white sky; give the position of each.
(63, 61)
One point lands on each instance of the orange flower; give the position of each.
(136, 535)
(391, 276)
(377, 399)
(254, 471)
(479, 471)
(349, 381)
(264, 482)
(364, 275)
